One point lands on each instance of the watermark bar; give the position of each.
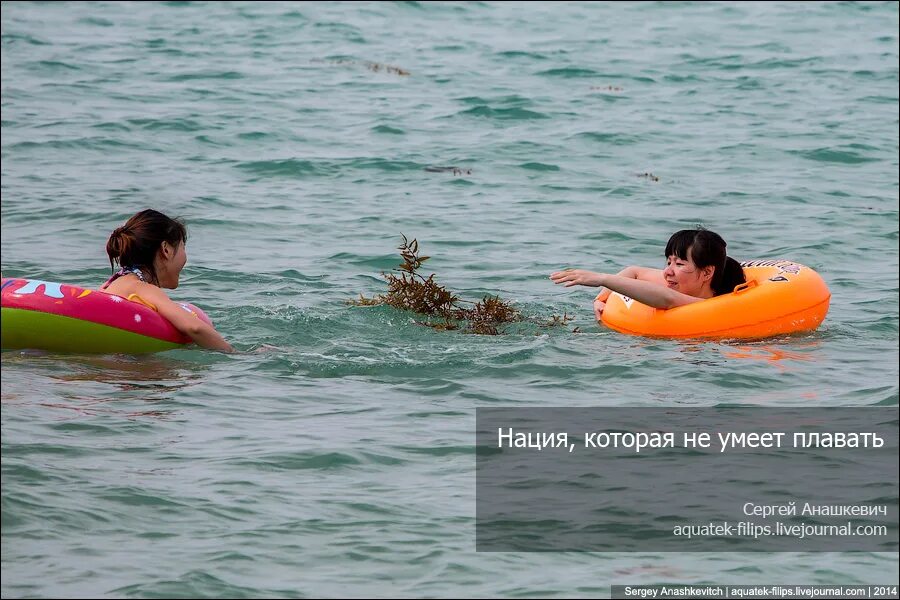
(718, 479)
(720, 592)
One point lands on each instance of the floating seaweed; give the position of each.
(486, 315)
(556, 320)
(560, 321)
(372, 66)
(376, 67)
(454, 170)
(410, 290)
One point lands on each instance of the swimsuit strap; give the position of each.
(134, 271)
(139, 300)
(124, 271)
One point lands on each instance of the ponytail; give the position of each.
(732, 275)
(121, 243)
(135, 244)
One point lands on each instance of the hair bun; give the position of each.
(118, 242)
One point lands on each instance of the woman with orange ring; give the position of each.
(697, 268)
(703, 293)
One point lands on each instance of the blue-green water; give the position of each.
(343, 464)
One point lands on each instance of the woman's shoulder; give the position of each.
(129, 284)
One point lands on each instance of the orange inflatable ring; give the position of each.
(779, 297)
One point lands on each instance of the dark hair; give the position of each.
(135, 244)
(706, 248)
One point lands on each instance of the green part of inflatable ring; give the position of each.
(56, 333)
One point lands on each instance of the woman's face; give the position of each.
(682, 275)
(173, 260)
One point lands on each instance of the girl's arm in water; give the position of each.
(203, 334)
(651, 293)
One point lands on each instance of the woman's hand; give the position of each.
(572, 277)
(599, 305)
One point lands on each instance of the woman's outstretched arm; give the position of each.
(647, 292)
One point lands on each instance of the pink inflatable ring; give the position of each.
(66, 318)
